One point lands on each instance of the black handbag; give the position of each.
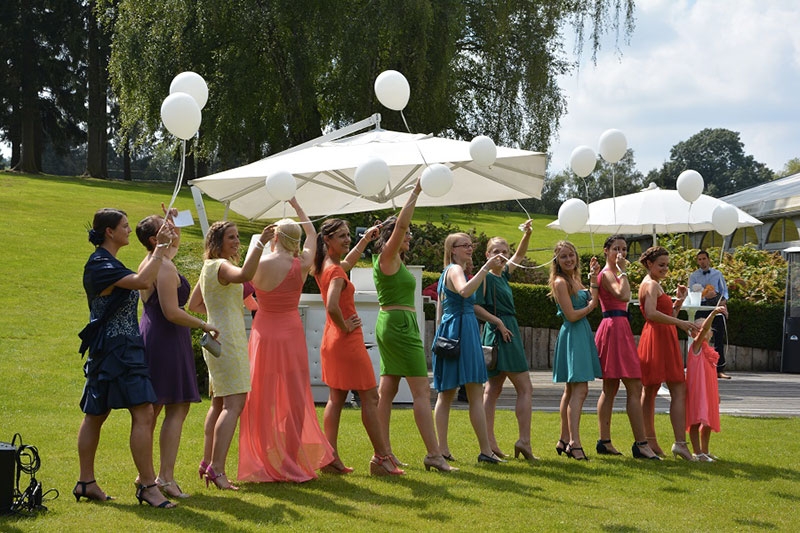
(447, 348)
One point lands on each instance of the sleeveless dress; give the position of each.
(279, 434)
(495, 296)
(345, 362)
(168, 351)
(397, 331)
(116, 373)
(575, 357)
(702, 388)
(230, 372)
(614, 338)
(659, 350)
(458, 322)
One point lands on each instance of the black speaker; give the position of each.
(8, 464)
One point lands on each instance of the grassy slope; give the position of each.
(42, 307)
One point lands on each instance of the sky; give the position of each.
(691, 65)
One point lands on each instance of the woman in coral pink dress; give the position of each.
(279, 437)
(345, 362)
(660, 352)
(702, 389)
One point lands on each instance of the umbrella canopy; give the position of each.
(325, 175)
(654, 211)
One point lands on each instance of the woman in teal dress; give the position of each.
(494, 304)
(575, 361)
(456, 316)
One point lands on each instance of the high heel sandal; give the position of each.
(559, 449)
(202, 469)
(162, 486)
(337, 467)
(491, 459)
(499, 454)
(570, 451)
(602, 449)
(636, 450)
(439, 463)
(382, 465)
(166, 504)
(83, 494)
(449, 457)
(703, 458)
(212, 477)
(525, 450)
(682, 450)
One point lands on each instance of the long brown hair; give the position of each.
(574, 280)
(328, 228)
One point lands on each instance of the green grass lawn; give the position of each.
(42, 307)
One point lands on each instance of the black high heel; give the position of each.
(82, 493)
(449, 458)
(166, 504)
(560, 450)
(492, 459)
(570, 451)
(637, 453)
(603, 450)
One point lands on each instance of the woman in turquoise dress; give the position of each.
(456, 316)
(494, 305)
(575, 361)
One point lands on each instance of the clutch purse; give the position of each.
(211, 345)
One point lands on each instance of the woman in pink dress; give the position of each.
(617, 351)
(279, 436)
(702, 389)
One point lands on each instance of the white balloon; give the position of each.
(181, 115)
(613, 145)
(371, 176)
(582, 161)
(192, 84)
(436, 180)
(483, 150)
(392, 89)
(281, 185)
(725, 219)
(690, 185)
(573, 215)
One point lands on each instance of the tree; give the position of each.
(791, 168)
(98, 51)
(280, 72)
(718, 155)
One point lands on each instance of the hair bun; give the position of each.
(95, 238)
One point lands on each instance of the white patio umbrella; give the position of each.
(653, 211)
(324, 171)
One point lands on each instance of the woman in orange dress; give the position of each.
(659, 351)
(279, 436)
(345, 362)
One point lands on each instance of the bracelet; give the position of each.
(163, 244)
(623, 274)
(594, 286)
(259, 244)
(157, 257)
(203, 325)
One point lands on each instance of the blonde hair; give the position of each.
(573, 280)
(288, 233)
(497, 240)
(448, 246)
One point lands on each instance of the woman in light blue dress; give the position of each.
(575, 361)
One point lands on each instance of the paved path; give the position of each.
(747, 394)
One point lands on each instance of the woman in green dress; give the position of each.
(397, 332)
(494, 304)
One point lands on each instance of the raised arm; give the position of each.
(355, 253)
(561, 293)
(390, 254)
(148, 270)
(456, 282)
(522, 249)
(230, 273)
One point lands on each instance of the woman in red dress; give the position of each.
(345, 362)
(659, 351)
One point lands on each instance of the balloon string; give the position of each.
(404, 121)
(180, 176)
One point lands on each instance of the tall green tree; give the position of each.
(281, 72)
(43, 90)
(718, 155)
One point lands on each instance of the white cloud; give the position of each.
(690, 66)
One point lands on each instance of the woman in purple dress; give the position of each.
(165, 328)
